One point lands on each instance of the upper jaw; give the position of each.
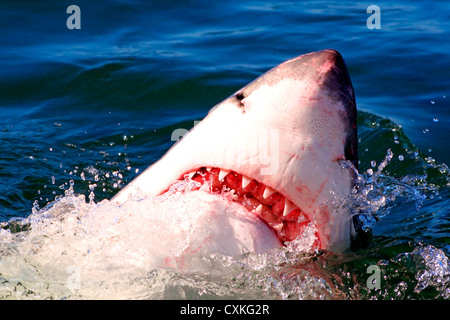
(244, 184)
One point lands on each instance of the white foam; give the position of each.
(85, 249)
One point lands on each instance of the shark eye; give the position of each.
(240, 96)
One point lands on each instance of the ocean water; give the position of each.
(84, 111)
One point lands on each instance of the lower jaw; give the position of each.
(277, 212)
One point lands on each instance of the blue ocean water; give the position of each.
(99, 104)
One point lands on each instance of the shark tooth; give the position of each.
(278, 227)
(191, 174)
(223, 174)
(268, 192)
(245, 181)
(288, 207)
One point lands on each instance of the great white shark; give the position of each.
(275, 151)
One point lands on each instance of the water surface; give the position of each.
(87, 110)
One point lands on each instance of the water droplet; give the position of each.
(401, 157)
(389, 154)
(373, 163)
(396, 139)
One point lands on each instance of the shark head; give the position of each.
(277, 148)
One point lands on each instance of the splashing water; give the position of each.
(375, 193)
(77, 249)
(424, 273)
